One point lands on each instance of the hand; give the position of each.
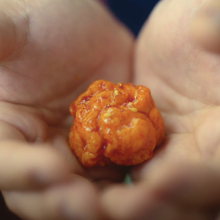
(50, 51)
(177, 57)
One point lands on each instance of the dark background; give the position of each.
(132, 13)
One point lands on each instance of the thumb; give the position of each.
(13, 29)
(205, 27)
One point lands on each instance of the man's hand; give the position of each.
(175, 59)
(50, 51)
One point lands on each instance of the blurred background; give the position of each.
(133, 13)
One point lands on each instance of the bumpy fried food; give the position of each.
(115, 124)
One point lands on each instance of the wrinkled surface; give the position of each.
(115, 124)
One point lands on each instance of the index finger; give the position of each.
(28, 166)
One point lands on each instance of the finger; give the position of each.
(76, 199)
(138, 202)
(191, 185)
(205, 28)
(27, 166)
(125, 203)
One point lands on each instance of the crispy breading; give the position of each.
(115, 124)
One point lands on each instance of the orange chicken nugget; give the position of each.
(115, 124)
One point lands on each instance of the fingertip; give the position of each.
(205, 27)
(76, 199)
(113, 204)
(126, 202)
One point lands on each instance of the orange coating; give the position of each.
(115, 124)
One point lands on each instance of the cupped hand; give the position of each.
(51, 51)
(177, 57)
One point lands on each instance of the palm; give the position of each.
(184, 82)
(57, 56)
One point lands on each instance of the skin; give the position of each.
(174, 57)
(177, 56)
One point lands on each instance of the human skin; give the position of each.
(177, 57)
(50, 51)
